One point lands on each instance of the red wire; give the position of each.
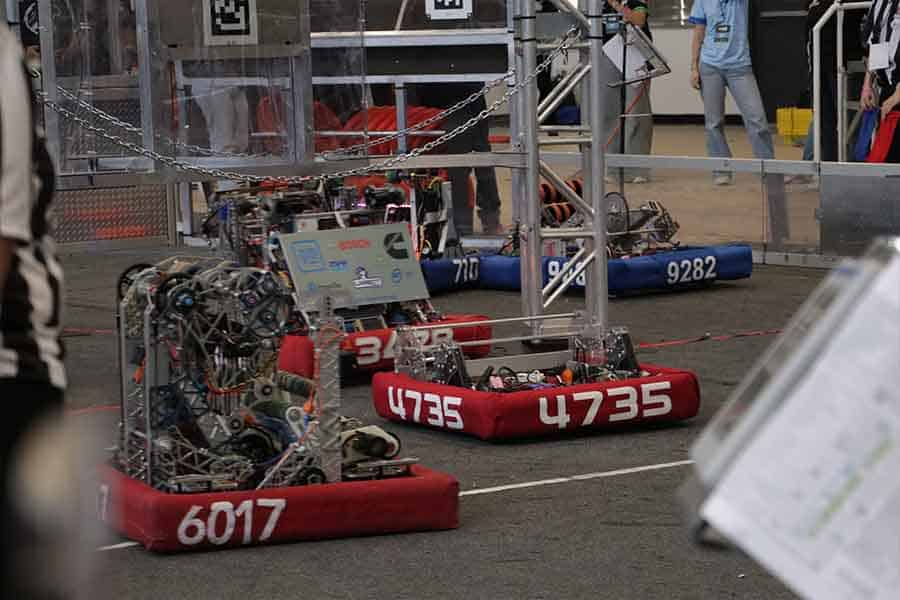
(628, 110)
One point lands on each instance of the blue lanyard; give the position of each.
(722, 5)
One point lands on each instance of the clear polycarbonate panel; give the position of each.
(90, 67)
(855, 210)
(230, 81)
(209, 83)
(340, 91)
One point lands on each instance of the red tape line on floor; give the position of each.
(642, 346)
(706, 337)
(76, 412)
(79, 331)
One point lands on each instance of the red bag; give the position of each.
(884, 138)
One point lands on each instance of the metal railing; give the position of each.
(838, 9)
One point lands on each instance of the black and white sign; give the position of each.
(448, 9)
(230, 23)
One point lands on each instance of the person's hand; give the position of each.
(889, 105)
(867, 97)
(695, 79)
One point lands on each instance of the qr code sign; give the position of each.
(448, 9)
(230, 22)
(230, 17)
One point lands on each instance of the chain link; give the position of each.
(116, 122)
(570, 38)
(423, 124)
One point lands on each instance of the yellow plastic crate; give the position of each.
(793, 123)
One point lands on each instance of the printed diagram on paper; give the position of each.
(815, 497)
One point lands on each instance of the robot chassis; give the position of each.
(594, 356)
(247, 222)
(204, 407)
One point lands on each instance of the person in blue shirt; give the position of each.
(720, 60)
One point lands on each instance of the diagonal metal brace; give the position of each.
(560, 184)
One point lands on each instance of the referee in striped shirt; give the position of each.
(32, 377)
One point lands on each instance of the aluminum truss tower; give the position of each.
(531, 115)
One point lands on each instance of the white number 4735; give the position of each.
(627, 404)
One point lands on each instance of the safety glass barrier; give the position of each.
(372, 101)
(231, 82)
(86, 52)
(685, 188)
(338, 73)
(184, 89)
(779, 207)
(858, 203)
(171, 87)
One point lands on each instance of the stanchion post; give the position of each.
(531, 230)
(48, 81)
(329, 392)
(597, 290)
(515, 112)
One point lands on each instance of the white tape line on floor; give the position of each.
(117, 546)
(517, 486)
(574, 478)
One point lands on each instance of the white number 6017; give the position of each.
(193, 530)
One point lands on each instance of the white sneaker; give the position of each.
(722, 180)
(798, 179)
(639, 179)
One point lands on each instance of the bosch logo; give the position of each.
(354, 245)
(395, 246)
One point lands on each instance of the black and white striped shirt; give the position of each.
(882, 25)
(30, 302)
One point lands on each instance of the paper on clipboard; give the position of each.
(814, 496)
(635, 63)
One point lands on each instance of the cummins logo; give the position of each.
(395, 245)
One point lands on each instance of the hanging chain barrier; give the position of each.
(125, 126)
(568, 40)
(422, 124)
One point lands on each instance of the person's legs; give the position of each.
(459, 177)
(639, 130)
(612, 103)
(462, 212)
(829, 115)
(488, 200)
(809, 145)
(24, 576)
(202, 95)
(487, 196)
(241, 140)
(808, 151)
(745, 92)
(712, 83)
